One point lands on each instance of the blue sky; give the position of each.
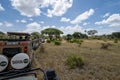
(67, 15)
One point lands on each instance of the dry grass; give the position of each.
(100, 64)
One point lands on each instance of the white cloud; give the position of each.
(31, 19)
(1, 24)
(65, 29)
(8, 24)
(112, 21)
(82, 17)
(71, 29)
(63, 19)
(17, 21)
(32, 8)
(84, 24)
(106, 15)
(42, 22)
(23, 21)
(33, 27)
(59, 7)
(1, 8)
(27, 8)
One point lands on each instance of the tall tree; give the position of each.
(51, 32)
(92, 32)
(116, 34)
(77, 35)
(2, 35)
(35, 34)
(68, 37)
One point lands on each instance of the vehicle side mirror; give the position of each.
(35, 46)
(51, 75)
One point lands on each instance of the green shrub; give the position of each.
(104, 39)
(79, 42)
(71, 41)
(115, 40)
(74, 61)
(48, 40)
(105, 45)
(42, 48)
(56, 42)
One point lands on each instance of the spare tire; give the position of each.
(20, 61)
(3, 62)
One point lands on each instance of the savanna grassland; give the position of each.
(100, 64)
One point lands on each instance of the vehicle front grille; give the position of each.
(10, 52)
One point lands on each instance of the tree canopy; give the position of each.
(2, 32)
(51, 31)
(92, 32)
(76, 34)
(2, 35)
(79, 35)
(35, 34)
(116, 34)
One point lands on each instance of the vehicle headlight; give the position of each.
(3, 62)
(20, 61)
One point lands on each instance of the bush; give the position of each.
(115, 40)
(74, 61)
(42, 48)
(71, 41)
(57, 42)
(79, 42)
(105, 40)
(48, 40)
(105, 45)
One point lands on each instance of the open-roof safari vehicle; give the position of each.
(16, 54)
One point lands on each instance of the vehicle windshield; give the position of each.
(15, 36)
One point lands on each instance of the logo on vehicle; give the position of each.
(25, 60)
(20, 61)
(3, 63)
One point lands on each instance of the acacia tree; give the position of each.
(116, 35)
(92, 32)
(77, 35)
(2, 35)
(52, 32)
(68, 37)
(35, 34)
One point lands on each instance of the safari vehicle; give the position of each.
(12, 45)
(16, 54)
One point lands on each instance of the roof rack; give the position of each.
(18, 33)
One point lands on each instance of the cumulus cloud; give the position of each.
(106, 15)
(6, 24)
(59, 7)
(71, 29)
(1, 24)
(85, 23)
(83, 16)
(30, 19)
(63, 19)
(32, 8)
(27, 8)
(33, 27)
(42, 22)
(112, 21)
(66, 29)
(1, 8)
(22, 21)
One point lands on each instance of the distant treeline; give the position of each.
(55, 33)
